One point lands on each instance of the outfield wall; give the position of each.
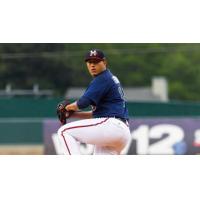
(22, 120)
(45, 108)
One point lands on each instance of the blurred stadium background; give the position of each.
(161, 83)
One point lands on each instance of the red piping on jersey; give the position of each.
(73, 127)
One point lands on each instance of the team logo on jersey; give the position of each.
(93, 53)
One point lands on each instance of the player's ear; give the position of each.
(105, 62)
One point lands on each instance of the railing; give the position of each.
(9, 92)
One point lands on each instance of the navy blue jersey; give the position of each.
(106, 96)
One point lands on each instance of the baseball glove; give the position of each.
(62, 113)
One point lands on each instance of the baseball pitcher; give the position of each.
(106, 125)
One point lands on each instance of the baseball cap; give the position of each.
(95, 54)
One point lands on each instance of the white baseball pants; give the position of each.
(109, 135)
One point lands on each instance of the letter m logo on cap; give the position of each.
(93, 53)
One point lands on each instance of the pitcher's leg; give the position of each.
(119, 137)
(103, 132)
(69, 144)
(90, 131)
(100, 150)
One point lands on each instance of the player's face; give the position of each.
(95, 67)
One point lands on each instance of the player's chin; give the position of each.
(93, 73)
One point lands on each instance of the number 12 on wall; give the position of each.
(143, 134)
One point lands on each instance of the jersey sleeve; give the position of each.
(96, 90)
